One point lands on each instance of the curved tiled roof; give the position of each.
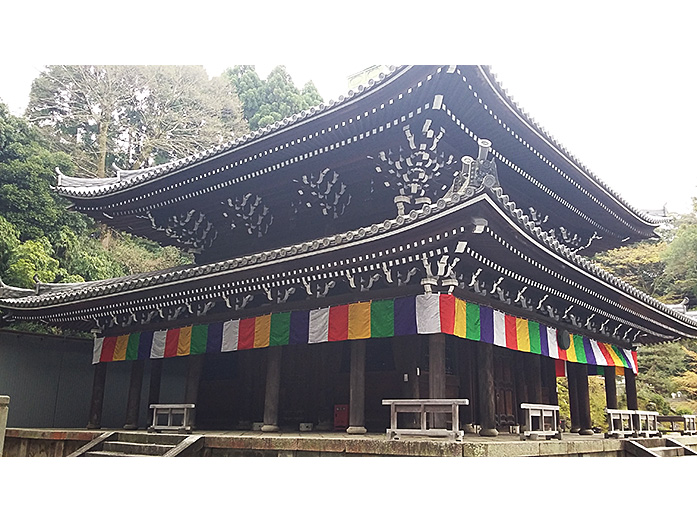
(125, 178)
(54, 294)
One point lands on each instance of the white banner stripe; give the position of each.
(428, 313)
(97, 350)
(319, 326)
(231, 335)
(628, 355)
(158, 344)
(599, 357)
(499, 328)
(552, 343)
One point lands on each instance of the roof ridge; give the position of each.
(165, 168)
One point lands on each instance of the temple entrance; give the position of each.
(504, 389)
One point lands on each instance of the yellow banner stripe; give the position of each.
(262, 331)
(359, 321)
(184, 345)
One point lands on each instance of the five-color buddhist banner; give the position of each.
(423, 314)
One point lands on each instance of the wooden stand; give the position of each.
(424, 407)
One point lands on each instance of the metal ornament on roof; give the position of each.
(192, 230)
(325, 191)
(476, 175)
(414, 172)
(250, 213)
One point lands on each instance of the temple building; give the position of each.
(423, 237)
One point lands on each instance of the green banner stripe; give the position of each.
(199, 338)
(132, 347)
(473, 331)
(382, 319)
(534, 331)
(578, 347)
(280, 329)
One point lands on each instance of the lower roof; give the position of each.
(483, 249)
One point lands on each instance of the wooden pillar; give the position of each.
(193, 379)
(436, 375)
(467, 380)
(630, 387)
(584, 406)
(98, 386)
(273, 386)
(155, 381)
(610, 388)
(549, 370)
(533, 376)
(487, 401)
(573, 397)
(357, 389)
(134, 389)
(521, 386)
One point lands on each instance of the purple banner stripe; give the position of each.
(544, 345)
(405, 316)
(486, 323)
(214, 342)
(299, 327)
(590, 355)
(144, 345)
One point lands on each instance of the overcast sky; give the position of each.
(615, 87)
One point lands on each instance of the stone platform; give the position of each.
(61, 442)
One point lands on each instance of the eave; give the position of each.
(492, 239)
(466, 101)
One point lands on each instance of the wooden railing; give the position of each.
(424, 407)
(541, 421)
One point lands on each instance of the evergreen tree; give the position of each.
(268, 101)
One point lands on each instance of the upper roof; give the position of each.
(383, 149)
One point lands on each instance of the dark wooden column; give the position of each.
(155, 381)
(549, 379)
(487, 401)
(273, 386)
(357, 389)
(610, 388)
(193, 379)
(98, 386)
(630, 386)
(573, 397)
(533, 376)
(134, 388)
(436, 375)
(465, 361)
(521, 386)
(584, 405)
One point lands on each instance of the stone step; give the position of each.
(151, 438)
(108, 454)
(651, 443)
(667, 452)
(127, 447)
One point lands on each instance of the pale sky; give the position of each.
(615, 86)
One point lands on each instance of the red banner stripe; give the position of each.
(171, 343)
(246, 335)
(511, 332)
(447, 313)
(338, 323)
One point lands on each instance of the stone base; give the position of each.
(469, 428)
(130, 427)
(269, 428)
(489, 432)
(356, 430)
(586, 432)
